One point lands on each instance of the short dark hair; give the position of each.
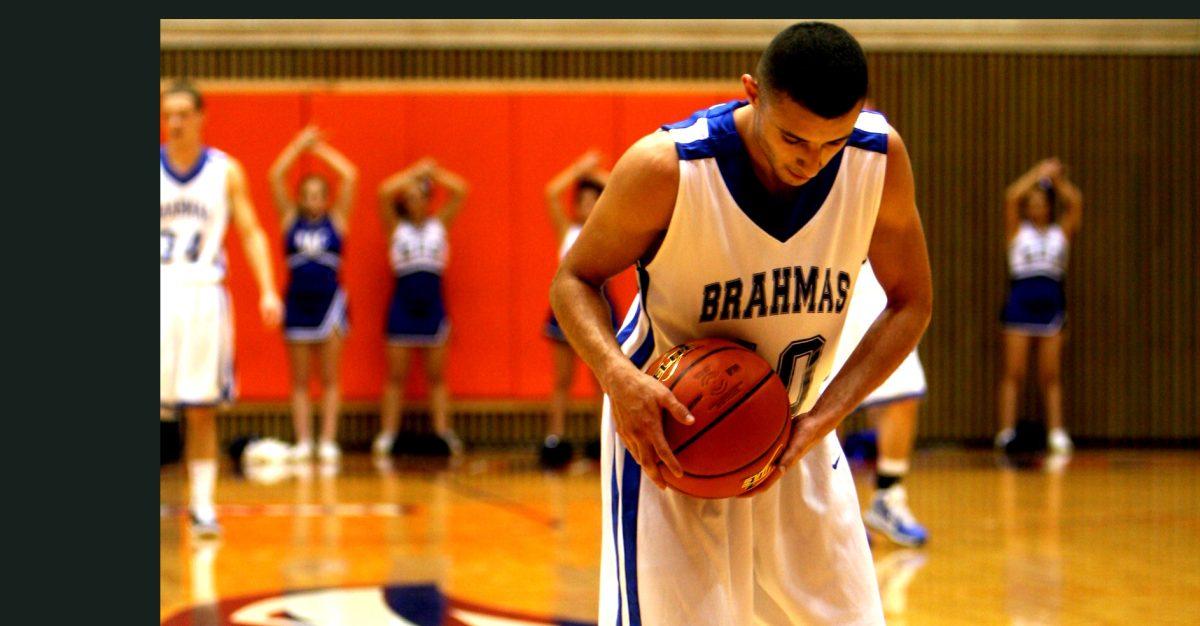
(183, 86)
(818, 65)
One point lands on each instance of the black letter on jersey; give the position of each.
(758, 296)
(826, 296)
(712, 300)
(843, 289)
(806, 289)
(779, 297)
(733, 299)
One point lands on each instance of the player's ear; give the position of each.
(751, 87)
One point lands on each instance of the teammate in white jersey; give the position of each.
(892, 408)
(200, 190)
(418, 249)
(749, 221)
(587, 179)
(1036, 305)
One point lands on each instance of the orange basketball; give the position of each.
(742, 417)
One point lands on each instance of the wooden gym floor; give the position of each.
(1111, 537)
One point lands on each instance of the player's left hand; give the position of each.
(808, 430)
(271, 309)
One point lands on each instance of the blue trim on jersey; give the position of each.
(864, 140)
(616, 497)
(779, 217)
(631, 483)
(625, 332)
(187, 176)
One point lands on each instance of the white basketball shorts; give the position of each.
(794, 554)
(195, 344)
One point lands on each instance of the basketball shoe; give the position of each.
(889, 514)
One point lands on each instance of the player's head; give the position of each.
(1038, 206)
(183, 112)
(313, 196)
(807, 93)
(587, 191)
(413, 201)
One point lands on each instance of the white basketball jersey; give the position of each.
(419, 247)
(1038, 252)
(193, 217)
(569, 240)
(737, 264)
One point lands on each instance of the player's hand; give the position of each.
(1051, 168)
(271, 309)
(309, 137)
(638, 403)
(588, 162)
(807, 431)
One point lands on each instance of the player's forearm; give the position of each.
(259, 256)
(886, 344)
(584, 317)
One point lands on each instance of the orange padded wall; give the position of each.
(503, 249)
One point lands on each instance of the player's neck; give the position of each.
(743, 120)
(183, 154)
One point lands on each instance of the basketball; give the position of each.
(742, 418)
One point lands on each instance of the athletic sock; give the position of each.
(889, 472)
(202, 478)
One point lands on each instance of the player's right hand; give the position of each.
(638, 403)
(271, 309)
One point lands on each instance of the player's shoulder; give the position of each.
(651, 158)
(708, 132)
(872, 132)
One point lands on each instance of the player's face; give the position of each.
(796, 141)
(183, 121)
(314, 197)
(584, 203)
(1037, 207)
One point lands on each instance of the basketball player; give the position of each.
(200, 190)
(587, 178)
(750, 221)
(1036, 306)
(419, 249)
(315, 315)
(892, 407)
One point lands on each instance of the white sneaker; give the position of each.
(890, 515)
(328, 452)
(204, 523)
(302, 451)
(382, 445)
(1059, 442)
(1004, 437)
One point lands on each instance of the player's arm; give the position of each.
(347, 183)
(561, 181)
(395, 184)
(254, 242)
(901, 263)
(1072, 200)
(1018, 189)
(627, 221)
(279, 169)
(457, 186)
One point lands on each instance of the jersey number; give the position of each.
(799, 359)
(166, 245)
